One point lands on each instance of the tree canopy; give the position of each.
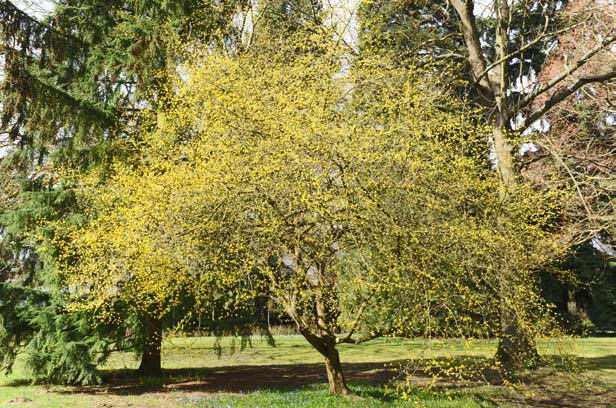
(326, 188)
(200, 157)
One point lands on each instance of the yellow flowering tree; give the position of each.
(152, 241)
(355, 194)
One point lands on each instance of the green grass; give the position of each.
(202, 352)
(292, 375)
(318, 396)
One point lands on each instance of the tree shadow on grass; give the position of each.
(596, 363)
(236, 379)
(20, 382)
(283, 377)
(366, 379)
(549, 386)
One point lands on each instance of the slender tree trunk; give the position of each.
(324, 339)
(152, 345)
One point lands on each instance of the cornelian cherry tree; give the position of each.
(355, 195)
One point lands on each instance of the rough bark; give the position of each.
(152, 345)
(504, 166)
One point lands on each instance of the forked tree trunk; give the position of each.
(151, 358)
(327, 347)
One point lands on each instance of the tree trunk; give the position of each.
(152, 344)
(327, 347)
(504, 156)
(516, 347)
(335, 375)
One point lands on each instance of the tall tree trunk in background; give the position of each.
(516, 345)
(152, 346)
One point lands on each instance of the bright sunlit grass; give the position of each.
(291, 375)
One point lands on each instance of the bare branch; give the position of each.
(564, 94)
(468, 25)
(560, 161)
(520, 50)
(566, 73)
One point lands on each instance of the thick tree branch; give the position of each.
(360, 340)
(358, 316)
(314, 340)
(468, 25)
(564, 94)
(566, 73)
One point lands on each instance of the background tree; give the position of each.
(72, 86)
(504, 48)
(495, 77)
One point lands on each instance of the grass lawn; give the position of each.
(292, 375)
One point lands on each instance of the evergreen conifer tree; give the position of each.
(74, 86)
